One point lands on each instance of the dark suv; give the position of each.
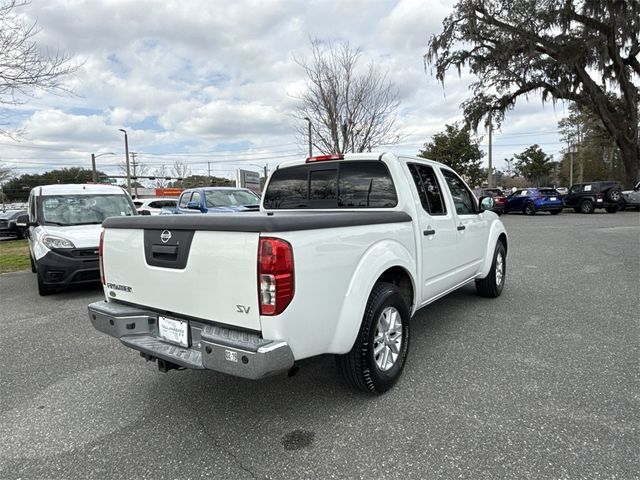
(586, 197)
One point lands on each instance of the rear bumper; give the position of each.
(216, 348)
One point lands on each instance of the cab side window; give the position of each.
(462, 198)
(428, 188)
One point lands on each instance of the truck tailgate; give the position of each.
(209, 275)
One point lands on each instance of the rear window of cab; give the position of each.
(357, 184)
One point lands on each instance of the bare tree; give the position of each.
(351, 109)
(5, 173)
(160, 173)
(181, 169)
(24, 66)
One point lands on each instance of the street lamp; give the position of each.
(93, 164)
(126, 152)
(310, 147)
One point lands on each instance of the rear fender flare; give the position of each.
(375, 261)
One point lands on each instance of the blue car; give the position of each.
(532, 200)
(217, 200)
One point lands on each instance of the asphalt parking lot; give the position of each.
(542, 382)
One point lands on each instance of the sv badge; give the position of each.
(242, 309)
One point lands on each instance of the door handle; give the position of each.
(429, 232)
(461, 227)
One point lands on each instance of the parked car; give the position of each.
(631, 198)
(217, 200)
(64, 225)
(155, 205)
(8, 226)
(498, 196)
(532, 200)
(586, 197)
(344, 250)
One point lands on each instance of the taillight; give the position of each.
(275, 275)
(100, 257)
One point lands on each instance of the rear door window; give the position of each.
(361, 184)
(428, 188)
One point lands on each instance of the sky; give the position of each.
(212, 84)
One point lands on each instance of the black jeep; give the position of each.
(586, 197)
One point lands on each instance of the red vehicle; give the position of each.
(499, 198)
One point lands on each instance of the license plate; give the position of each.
(174, 331)
(553, 199)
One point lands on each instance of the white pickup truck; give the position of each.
(344, 250)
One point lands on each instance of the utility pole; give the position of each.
(310, 144)
(133, 159)
(490, 176)
(94, 174)
(126, 153)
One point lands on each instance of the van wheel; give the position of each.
(377, 358)
(42, 288)
(491, 286)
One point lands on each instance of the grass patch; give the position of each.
(14, 256)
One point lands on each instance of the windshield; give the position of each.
(230, 198)
(83, 209)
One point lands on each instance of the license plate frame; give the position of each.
(174, 331)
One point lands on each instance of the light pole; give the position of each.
(93, 164)
(310, 145)
(126, 152)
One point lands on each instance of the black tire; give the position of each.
(360, 367)
(491, 286)
(612, 195)
(611, 209)
(555, 212)
(33, 264)
(576, 209)
(43, 290)
(529, 209)
(622, 206)
(586, 206)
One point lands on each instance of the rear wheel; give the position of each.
(492, 285)
(377, 358)
(586, 206)
(529, 209)
(612, 195)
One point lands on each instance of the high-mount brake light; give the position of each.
(324, 158)
(100, 256)
(275, 275)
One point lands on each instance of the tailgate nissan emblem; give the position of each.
(165, 236)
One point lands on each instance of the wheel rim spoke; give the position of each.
(387, 341)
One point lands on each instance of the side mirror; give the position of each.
(193, 206)
(486, 203)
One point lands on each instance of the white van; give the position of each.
(64, 223)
